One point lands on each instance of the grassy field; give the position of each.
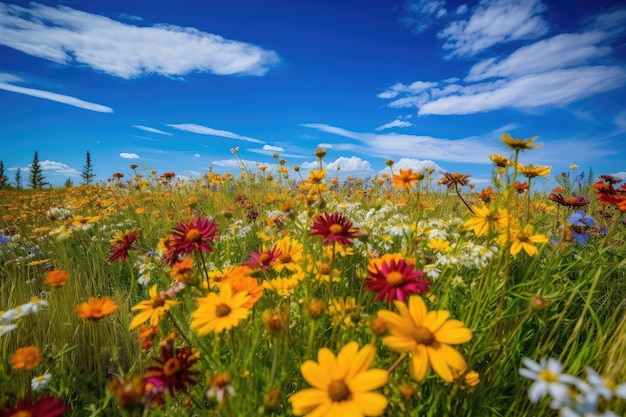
(269, 293)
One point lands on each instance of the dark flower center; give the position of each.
(222, 310)
(264, 258)
(171, 367)
(423, 336)
(324, 269)
(158, 302)
(338, 390)
(193, 235)
(285, 259)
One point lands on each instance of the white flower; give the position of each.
(597, 386)
(39, 382)
(549, 379)
(9, 315)
(6, 328)
(32, 307)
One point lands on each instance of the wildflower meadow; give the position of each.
(267, 292)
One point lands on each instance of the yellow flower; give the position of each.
(153, 309)
(499, 160)
(487, 219)
(342, 385)
(96, 308)
(317, 176)
(427, 335)
(26, 358)
(220, 311)
(519, 144)
(291, 254)
(523, 239)
(532, 171)
(439, 245)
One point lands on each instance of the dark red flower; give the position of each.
(263, 258)
(334, 228)
(174, 369)
(47, 406)
(394, 277)
(520, 187)
(122, 243)
(196, 235)
(568, 201)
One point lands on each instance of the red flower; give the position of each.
(520, 187)
(334, 228)
(263, 258)
(185, 238)
(395, 277)
(174, 367)
(122, 242)
(568, 201)
(44, 407)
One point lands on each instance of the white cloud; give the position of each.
(419, 15)
(47, 95)
(59, 168)
(203, 130)
(394, 123)
(561, 51)
(493, 22)
(237, 163)
(197, 155)
(413, 88)
(325, 145)
(129, 155)
(417, 165)
(65, 35)
(620, 175)
(350, 165)
(620, 121)
(556, 88)
(152, 130)
(273, 148)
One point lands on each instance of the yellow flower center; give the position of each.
(338, 391)
(22, 413)
(394, 278)
(222, 310)
(171, 367)
(548, 376)
(335, 229)
(423, 336)
(193, 235)
(610, 384)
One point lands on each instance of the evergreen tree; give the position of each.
(36, 178)
(18, 179)
(4, 180)
(87, 174)
(590, 179)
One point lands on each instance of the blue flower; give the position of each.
(580, 218)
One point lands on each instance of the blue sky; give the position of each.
(174, 86)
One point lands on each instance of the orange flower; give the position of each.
(182, 271)
(405, 179)
(96, 308)
(56, 278)
(26, 358)
(240, 280)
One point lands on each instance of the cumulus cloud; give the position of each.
(129, 155)
(494, 22)
(152, 130)
(394, 123)
(417, 165)
(6, 79)
(352, 165)
(204, 130)
(59, 168)
(65, 36)
(273, 148)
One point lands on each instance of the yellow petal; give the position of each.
(371, 403)
(400, 343)
(368, 381)
(346, 359)
(314, 374)
(418, 309)
(307, 400)
(435, 319)
(419, 365)
(328, 362)
(453, 332)
(361, 360)
(140, 319)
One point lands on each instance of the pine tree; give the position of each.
(18, 179)
(36, 178)
(87, 174)
(4, 180)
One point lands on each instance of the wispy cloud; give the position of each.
(5, 79)
(419, 15)
(394, 123)
(126, 155)
(152, 130)
(65, 35)
(53, 168)
(494, 22)
(273, 148)
(204, 130)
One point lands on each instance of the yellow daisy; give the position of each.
(342, 385)
(427, 335)
(153, 309)
(220, 311)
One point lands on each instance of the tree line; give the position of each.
(36, 178)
